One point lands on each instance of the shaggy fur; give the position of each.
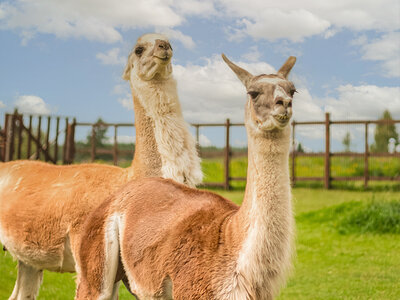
(43, 206)
(180, 243)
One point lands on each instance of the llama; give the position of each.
(176, 242)
(43, 206)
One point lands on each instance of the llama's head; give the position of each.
(269, 101)
(150, 58)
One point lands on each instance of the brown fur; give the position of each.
(43, 207)
(179, 243)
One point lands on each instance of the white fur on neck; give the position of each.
(263, 258)
(175, 144)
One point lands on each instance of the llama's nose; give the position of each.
(164, 45)
(285, 102)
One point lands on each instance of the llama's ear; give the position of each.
(129, 64)
(242, 74)
(287, 66)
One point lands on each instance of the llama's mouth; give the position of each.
(164, 58)
(283, 119)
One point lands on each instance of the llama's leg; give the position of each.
(114, 295)
(98, 264)
(28, 282)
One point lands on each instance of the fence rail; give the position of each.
(11, 138)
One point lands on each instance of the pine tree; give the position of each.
(346, 142)
(100, 134)
(383, 132)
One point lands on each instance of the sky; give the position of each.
(66, 58)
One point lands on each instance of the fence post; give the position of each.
(20, 122)
(9, 131)
(29, 147)
(56, 140)
(70, 142)
(39, 131)
(227, 155)
(293, 154)
(65, 142)
(47, 145)
(327, 178)
(366, 154)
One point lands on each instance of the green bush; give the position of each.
(373, 217)
(355, 217)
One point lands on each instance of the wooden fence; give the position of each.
(327, 155)
(11, 136)
(29, 138)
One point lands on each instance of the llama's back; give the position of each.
(41, 205)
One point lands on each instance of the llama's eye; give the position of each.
(253, 94)
(292, 91)
(139, 50)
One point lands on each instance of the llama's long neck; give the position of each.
(266, 214)
(164, 145)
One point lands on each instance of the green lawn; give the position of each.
(310, 167)
(331, 262)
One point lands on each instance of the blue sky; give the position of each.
(66, 57)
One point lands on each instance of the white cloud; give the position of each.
(2, 105)
(212, 92)
(30, 104)
(305, 107)
(296, 20)
(295, 25)
(186, 40)
(363, 102)
(204, 141)
(253, 55)
(121, 89)
(384, 49)
(111, 57)
(195, 7)
(94, 20)
(126, 102)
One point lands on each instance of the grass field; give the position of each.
(312, 167)
(348, 245)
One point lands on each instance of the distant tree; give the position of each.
(346, 142)
(300, 148)
(100, 134)
(383, 133)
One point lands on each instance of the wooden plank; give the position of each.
(39, 129)
(9, 137)
(56, 140)
(29, 146)
(327, 163)
(65, 142)
(310, 178)
(310, 154)
(47, 145)
(36, 141)
(20, 121)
